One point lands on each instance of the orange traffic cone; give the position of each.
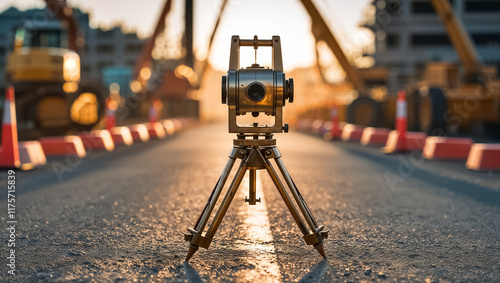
(9, 153)
(154, 109)
(401, 119)
(111, 107)
(335, 131)
(398, 139)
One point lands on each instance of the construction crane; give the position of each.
(363, 110)
(451, 100)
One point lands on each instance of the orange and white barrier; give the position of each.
(98, 139)
(169, 127)
(375, 136)
(31, 154)
(413, 141)
(156, 131)
(447, 148)
(139, 132)
(352, 132)
(121, 136)
(484, 156)
(63, 146)
(9, 153)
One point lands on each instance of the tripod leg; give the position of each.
(204, 241)
(316, 237)
(295, 192)
(212, 200)
(286, 198)
(209, 206)
(233, 188)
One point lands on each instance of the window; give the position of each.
(131, 35)
(419, 40)
(130, 63)
(482, 6)
(133, 48)
(392, 40)
(105, 48)
(488, 39)
(423, 7)
(104, 33)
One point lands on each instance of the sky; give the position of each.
(246, 18)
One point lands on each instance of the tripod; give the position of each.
(255, 154)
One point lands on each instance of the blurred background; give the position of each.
(71, 60)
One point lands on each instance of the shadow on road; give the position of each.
(317, 273)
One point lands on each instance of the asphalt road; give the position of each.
(118, 216)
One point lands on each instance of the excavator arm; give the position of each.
(65, 15)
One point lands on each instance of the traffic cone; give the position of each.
(154, 109)
(111, 107)
(398, 139)
(401, 119)
(9, 153)
(334, 114)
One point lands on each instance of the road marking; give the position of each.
(256, 242)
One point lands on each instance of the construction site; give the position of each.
(372, 126)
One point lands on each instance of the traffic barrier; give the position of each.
(139, 132)
(31, 154)
(9, 152)
(121, 136)
(63, 146)
(352, 132)
(156, 131)
(317, 127)
(484, 157)
(111, 106)
(177, 124)
(447, 148)
(375, 136)
(169, 127)
(97, 139)
(413, 141)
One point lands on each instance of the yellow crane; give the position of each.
(363, 110)
(451, 100)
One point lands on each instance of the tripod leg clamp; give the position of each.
(316, 237)
(196, 239)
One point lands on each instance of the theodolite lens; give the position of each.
(256, 92)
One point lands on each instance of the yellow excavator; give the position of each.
(44, 68)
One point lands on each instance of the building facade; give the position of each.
(409, 33)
